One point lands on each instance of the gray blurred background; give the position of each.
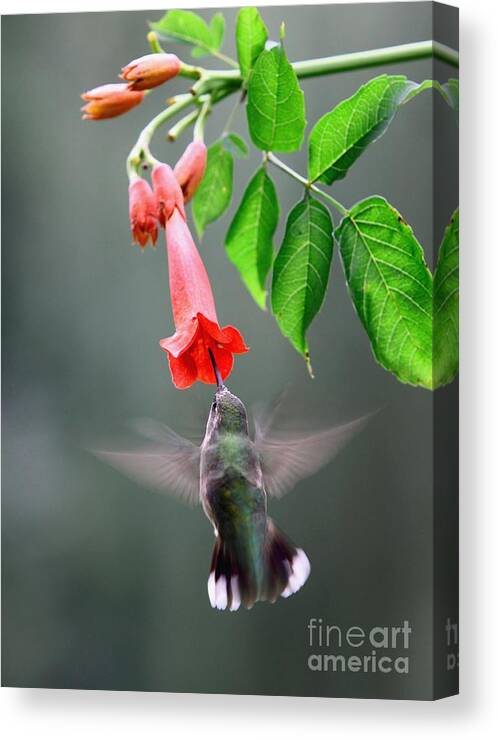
(104, 583)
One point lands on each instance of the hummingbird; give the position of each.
(232, 475)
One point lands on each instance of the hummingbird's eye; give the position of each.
(213, 407)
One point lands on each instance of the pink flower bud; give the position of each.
(167, 192)
(150, 70)
(190, 168)
(108, 101)
(143, 212)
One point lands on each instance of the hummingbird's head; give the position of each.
(228, 413)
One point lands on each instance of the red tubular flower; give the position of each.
(150, 70)
(167, 191)
(108, 101)
(190, 168)
(194, 313)
(143, 212)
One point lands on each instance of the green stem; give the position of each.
(376, 58)
(223, 57)
(338, 206)
(341, 62)
(189, 71)
(307, 184)
(183, 124)
(201, 119)
(196, 73)
(154, 44)
(228, 124)
(141, 151)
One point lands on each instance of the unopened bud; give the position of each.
(150, 71)
(167, 191)
(108, 101)
(190, 168)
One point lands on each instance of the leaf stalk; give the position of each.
(270, 157)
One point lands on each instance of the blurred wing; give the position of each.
(166, 463)
(288, 457)
(264, 415)
(161, 433)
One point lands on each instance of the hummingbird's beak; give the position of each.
(219, 381)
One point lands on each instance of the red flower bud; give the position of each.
(150, 70)
(189, 170)
(143, 212)
(167, 191)
(194, 313)
(108, 101)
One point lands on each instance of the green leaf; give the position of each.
(413, 89)
(198, 52)
(186, 27)
(249, 242)
(217, 28)
(446, 294)
(236, 145)
(275, 107)
(339, 137)
(301, 271)
(215, 191)
(451, 89)
(250, 36)
(391, 288)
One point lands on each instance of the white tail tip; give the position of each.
(218, 592)
(300, 569)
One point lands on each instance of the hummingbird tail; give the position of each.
(287, 566)
(233, 580)
(228, 582)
